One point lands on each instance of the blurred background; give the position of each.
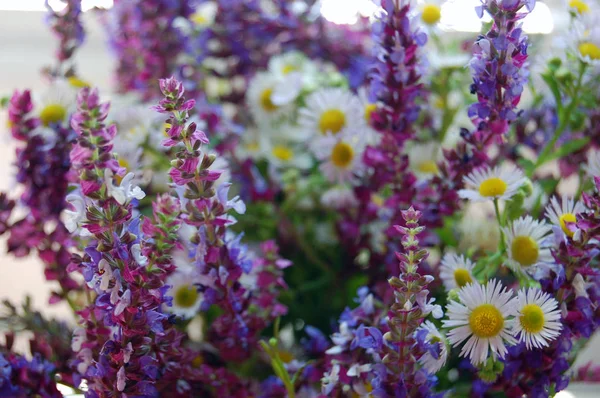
(27, 45)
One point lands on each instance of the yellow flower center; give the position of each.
(197, 361)
(76, 82)
(591, 50)
(428, 167)
(431, 14)
(332, 120)
(564, 219)
(580, 6)
(462, 277)
(369, 109)
(282, 153)
(198, 18)
(124, 163)
(342, 154)
(185, 296)
(166, 126)
(288, 69)
(525, 250)
(265, 100)
(252, 146)
(378, 200)
(492, 187)
(53, 113)
(532, 318)
(486, 321)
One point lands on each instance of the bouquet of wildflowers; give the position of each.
(273, 205)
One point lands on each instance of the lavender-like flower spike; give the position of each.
(67, 27)
(395, 80)
(411, 306)
(499, 68)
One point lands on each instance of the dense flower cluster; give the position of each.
(442, 220)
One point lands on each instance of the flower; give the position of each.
(284, 154)
(481, 319)
(424, 159)
(329, 380)
(269, 97)
(436, 354)
(537, 321)
(125, 191)
(586, 37)
(564, 215)
(578, 7)
(593, 166)
(479, 228)
(341, 156)
(456, 271)
(74, 218)
(331, 111)
(56, 103)
(186, 297)
(526, 245)
(493, 183)
(293, 62)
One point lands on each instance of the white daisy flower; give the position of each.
(283, 154)
(134, 122)
(482, 320)
(479, 228)
(537, 321)
(560, 215)
(526, 244)
(294, 62)
(269, 98)
(496, 183)
(586, 35)
(424, 158)
(186, 297)
(331, 111)
(456, 271)
(56, 103)
(339, 197)
(204, 15)
(340, 156)
(593, 165)
(427, 360)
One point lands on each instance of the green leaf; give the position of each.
(553, 85)
(569, 147)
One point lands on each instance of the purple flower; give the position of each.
(367, 337)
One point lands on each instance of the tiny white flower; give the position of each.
(527, 244)
(125, 191)
(330, 380)
(356, 370)
(488, 184)
(482, 320)
(106, 274)
(538, 318)
(593, 165)
(123, 303)
(580, 286)
(74, 218)
(456, 271)
(79, 337)
(427, 360)
(340, 339)
(560, 215)
(136, 250)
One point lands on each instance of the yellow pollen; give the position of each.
(580, 6)
(342, 154)
(53, 113)
(486, 321)
(166, 126)
(196, 362)
(532, 318)
(185, 296)
(492, 187)
(587, 49)
(332, 120)
(525, 250)
(369, 109)
(428, 167)
(462, 277)
(286, 356)
(564, 219)
(265, 100)
(431, 14)
(76, 82)
(288, 69)
(282, 153)
(198, 18)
